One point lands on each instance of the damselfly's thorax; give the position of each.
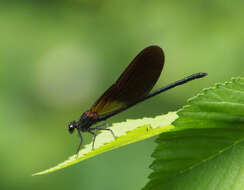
(87, 119)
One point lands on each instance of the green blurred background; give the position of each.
(58, 57)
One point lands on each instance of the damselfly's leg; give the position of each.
(94, 137)
(98, 127)
(81, 140)
(93, 131)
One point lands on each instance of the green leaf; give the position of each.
(208, 134)
(126, 132)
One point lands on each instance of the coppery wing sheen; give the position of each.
(135, 82)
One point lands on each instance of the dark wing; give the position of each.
(135, 82)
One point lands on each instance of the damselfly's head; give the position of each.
(72, 126)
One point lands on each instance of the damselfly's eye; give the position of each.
(71, 127)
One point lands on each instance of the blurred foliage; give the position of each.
(57, 57)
